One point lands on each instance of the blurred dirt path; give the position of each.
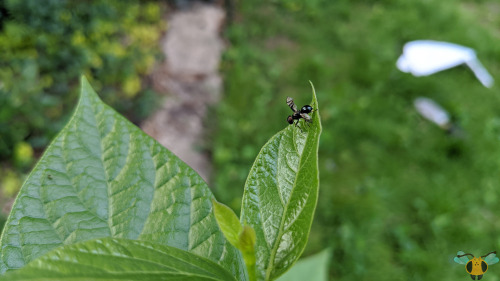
(191, 81)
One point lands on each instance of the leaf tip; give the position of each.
(83, 79)
(314, 102)
(86, 90)
(314, 93)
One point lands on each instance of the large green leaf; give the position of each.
(103, 177)
(119, 259)
(280, 196)
(313, 268)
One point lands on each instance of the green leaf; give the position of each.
(313, 268)
(247, 239)
(103, 177)
(119, 259)
(243, 238)
(280, 196)
(246, 245)
(228, 222)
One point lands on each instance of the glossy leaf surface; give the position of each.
(119, 259)
(280, 196)
(103, 177)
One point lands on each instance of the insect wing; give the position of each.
(291, 104)
(461, 260)
(491, 259)
(306, 117)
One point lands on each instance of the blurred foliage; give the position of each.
(44, 48)
(46, 45)
(23, 154)
(10, 183)
(399, 197)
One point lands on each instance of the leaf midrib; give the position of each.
(274, 250)
(101, 157)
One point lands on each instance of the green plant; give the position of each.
(103, 188)
(407, 195)
(45, 45)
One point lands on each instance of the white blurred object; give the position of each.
(430, 110)
(425, 57)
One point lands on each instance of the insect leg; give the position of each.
(297, 125)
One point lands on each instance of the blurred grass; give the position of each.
(398, 197)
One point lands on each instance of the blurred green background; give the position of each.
(398, 196)
(44, 48)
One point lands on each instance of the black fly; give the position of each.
(303, 113)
